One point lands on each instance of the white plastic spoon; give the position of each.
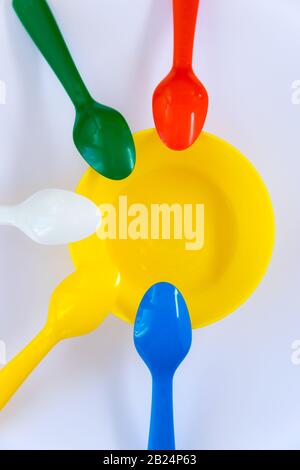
(53, 217)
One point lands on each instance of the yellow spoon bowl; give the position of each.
(78, 305)
(220, 267)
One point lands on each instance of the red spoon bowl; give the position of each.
(180, 104)
(180, 101)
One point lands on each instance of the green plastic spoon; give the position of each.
(101, 134)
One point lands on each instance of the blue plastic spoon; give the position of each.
(162, 337)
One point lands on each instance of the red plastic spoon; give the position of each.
(180, 101)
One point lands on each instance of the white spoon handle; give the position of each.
(7, 215)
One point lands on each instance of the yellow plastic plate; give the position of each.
(238, 227)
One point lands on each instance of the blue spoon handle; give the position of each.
(161, 435)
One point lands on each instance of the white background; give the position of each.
(238, 388)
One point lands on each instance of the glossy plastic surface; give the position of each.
(238, 227)
(77, 307)
(180, 101)
(53, 217)
(101, 134)
(162, 337)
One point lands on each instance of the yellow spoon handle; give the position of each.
(16, 371)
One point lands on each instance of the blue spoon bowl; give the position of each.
(162, 337)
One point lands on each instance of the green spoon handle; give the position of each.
(39, 22)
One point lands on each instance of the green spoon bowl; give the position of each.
(101, 134)
(103, 138)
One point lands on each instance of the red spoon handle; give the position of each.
(185, 17)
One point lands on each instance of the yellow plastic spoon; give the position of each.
(70, 314)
